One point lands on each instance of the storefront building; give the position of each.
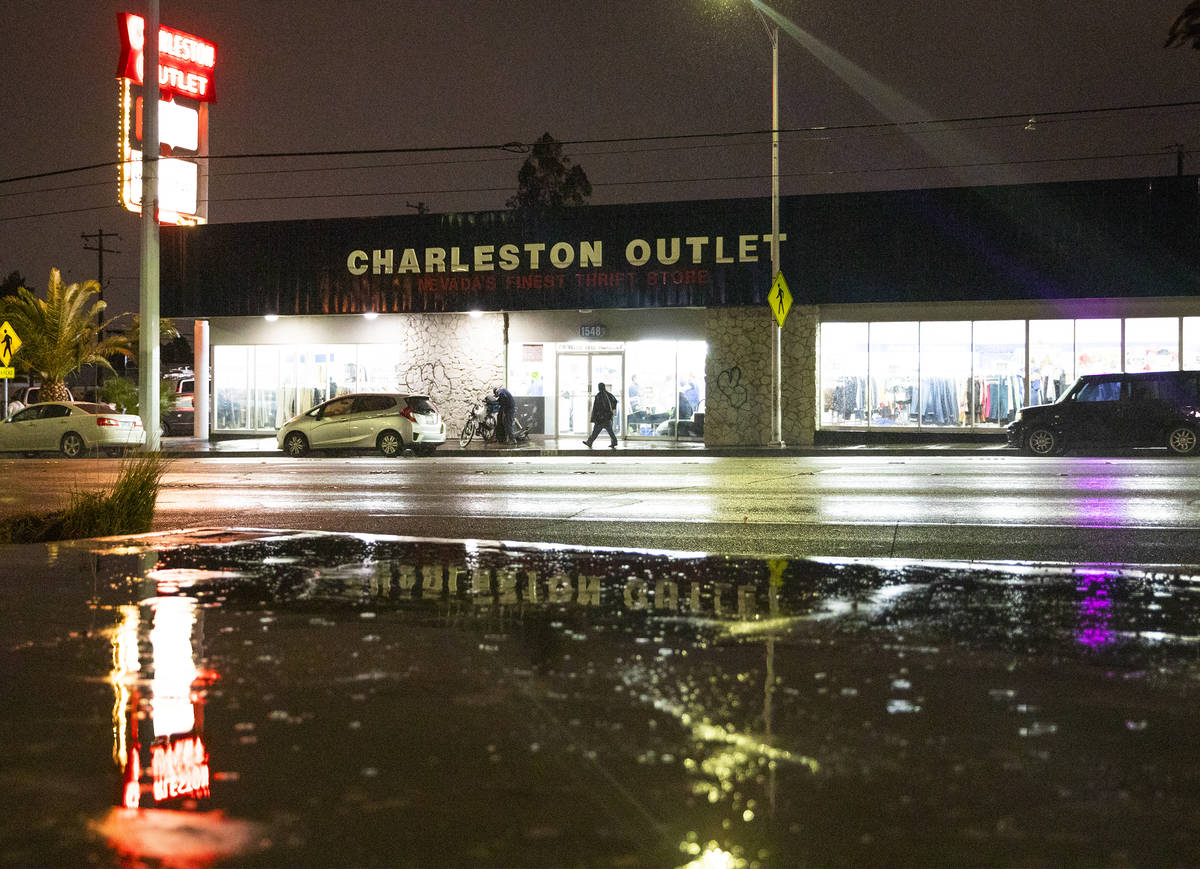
(924, 311)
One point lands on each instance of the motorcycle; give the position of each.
(482, 422)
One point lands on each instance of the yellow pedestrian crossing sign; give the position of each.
(9, 344)
(780, 299)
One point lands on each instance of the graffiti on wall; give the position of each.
(729, 384)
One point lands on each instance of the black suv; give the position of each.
(1152, 409)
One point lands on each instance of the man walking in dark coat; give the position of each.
(603, 408)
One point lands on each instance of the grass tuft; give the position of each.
(125, 508)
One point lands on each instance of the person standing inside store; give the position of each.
(604, 406)
(504, 421)
(635, 394)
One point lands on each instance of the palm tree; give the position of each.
(166, 332)
(60, 334)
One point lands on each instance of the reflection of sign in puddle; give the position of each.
(158, 818)
(781, 708)
(171, 716)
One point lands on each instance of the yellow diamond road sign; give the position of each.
(780, 299)
(9, 343)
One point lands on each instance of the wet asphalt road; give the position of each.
(329, 700)
(1139, 510)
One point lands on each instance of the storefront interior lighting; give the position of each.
(271, 318)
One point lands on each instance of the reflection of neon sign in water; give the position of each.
(179, 765)
(174, 666)
(1095, 611)
(179, 768)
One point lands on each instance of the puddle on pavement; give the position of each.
(265, 699)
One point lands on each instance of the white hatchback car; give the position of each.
(70, 427)
(387, 421)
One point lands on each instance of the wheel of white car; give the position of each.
(295, 444)
(72, 445)
(1043, 442)
(1182, 440)
(390, 443)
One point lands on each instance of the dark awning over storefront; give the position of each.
(1092, 239)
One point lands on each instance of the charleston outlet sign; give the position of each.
(645, 255)
(692, 250)
(185, 62)
(186, 65)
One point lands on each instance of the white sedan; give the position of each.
(70, 427)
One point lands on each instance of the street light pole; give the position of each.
(776, 336)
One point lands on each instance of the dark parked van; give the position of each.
(1152, 409)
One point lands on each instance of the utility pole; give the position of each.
(99, 235)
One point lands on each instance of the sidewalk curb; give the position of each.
(216, 449)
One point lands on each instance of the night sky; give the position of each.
(300, 75)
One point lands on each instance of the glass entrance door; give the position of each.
(579, 376)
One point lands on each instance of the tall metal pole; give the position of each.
(148, 351)
(776, 338)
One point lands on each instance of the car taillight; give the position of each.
(407, 413)
(106, 420)
(137, 422)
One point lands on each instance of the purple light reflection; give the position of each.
(1095, 610)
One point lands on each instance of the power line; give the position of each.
(647, 182)
(902, 126)
(597, 153)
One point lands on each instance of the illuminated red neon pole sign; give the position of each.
(185, 62)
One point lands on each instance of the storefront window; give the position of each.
(288, 401)
(843, 374)
(980, 373)
(1191, 343)
(379, 367)
(1097, 347)
(341, 369)
(527, 370)
(1152, 344)
(529, 379)
(998, 368)
(264, 412)
(231, 379)
(945, 373)
(892, 384)
(1051, 359)
(320, 372)
(690, 364)
(650, 387)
